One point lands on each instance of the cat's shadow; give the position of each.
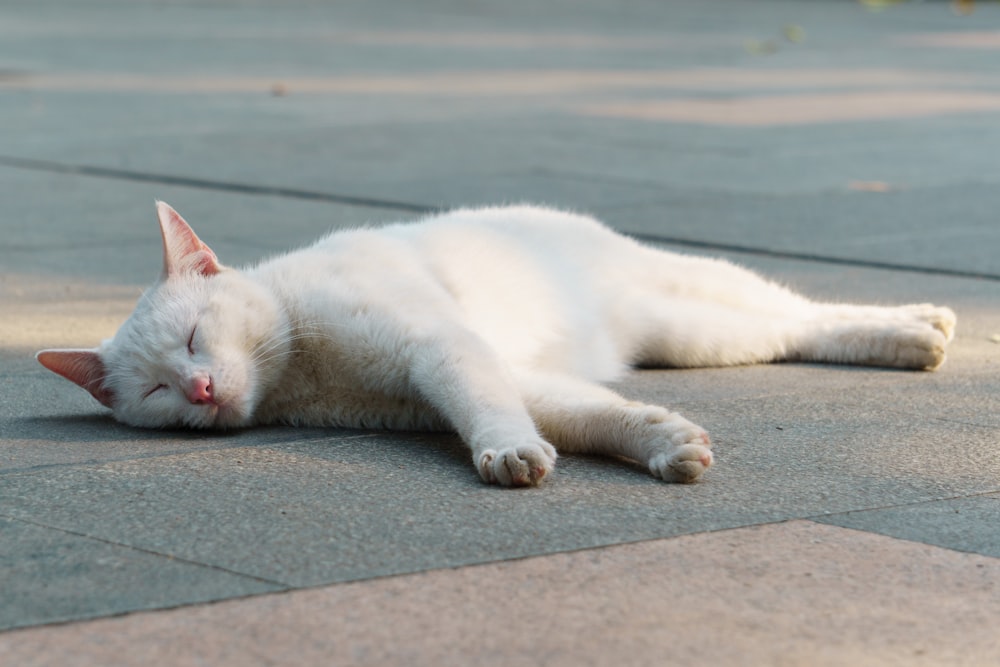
(78, 428)
(321, 442)
(95, 428)
(440, 450)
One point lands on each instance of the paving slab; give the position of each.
(816, 202)
(912, 227)
(792, 441)
(105, 230)
(51, 575)
(785, 594)
(499, 107)
(956, 523)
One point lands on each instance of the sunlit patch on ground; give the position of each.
(773, 110)
(40, 312)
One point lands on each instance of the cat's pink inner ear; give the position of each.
(182, 249)
(84, 367)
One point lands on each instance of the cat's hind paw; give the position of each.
(941, 318)
(521, 465)
(920, 349)
(682, 464)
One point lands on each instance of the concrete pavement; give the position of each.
(852, 517)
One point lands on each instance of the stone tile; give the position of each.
(321, 508)
(105, 231)
(964, 524)
(902, 227)
(785, 594)
(51, 575)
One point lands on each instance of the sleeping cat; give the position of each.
(497, 323)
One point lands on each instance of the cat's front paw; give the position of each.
(682, 464)
(521, 465)
(677, 450)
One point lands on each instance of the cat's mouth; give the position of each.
(224, 415)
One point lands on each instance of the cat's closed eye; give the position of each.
(190, 343)
(153, 391)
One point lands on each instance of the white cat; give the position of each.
(496, 323)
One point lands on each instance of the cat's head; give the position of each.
(201, 348)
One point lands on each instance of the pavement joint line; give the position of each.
(411, 207)
(811, 257)
(283, 586)
(938, 499)
(29, 470)
(948, 420)
(77, 244)
(963, 422)
(208, 184)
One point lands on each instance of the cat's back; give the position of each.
(467, 245)
(490, 252)
(530, 226)
(533, 226)
(510, 238)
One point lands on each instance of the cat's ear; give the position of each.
(83, 367)
(183, 251)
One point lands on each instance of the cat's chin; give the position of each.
(223, 417)
(227, 416)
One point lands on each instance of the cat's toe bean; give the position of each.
(524, 465)
(683, 464)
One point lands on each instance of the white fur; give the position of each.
(494, 322)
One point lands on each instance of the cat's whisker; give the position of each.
(270, 349)
(270, 354)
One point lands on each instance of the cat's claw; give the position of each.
(683, 464)
(523, 465)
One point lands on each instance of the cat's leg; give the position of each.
(578, 416)
(689, 312)
(913, 336)
(693, 333)
(709, 334)
(696, 311)
(460, 376)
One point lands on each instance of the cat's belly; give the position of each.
(350, 409)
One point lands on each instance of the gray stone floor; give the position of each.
(848, 152)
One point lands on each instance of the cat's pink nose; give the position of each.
(200, 391)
